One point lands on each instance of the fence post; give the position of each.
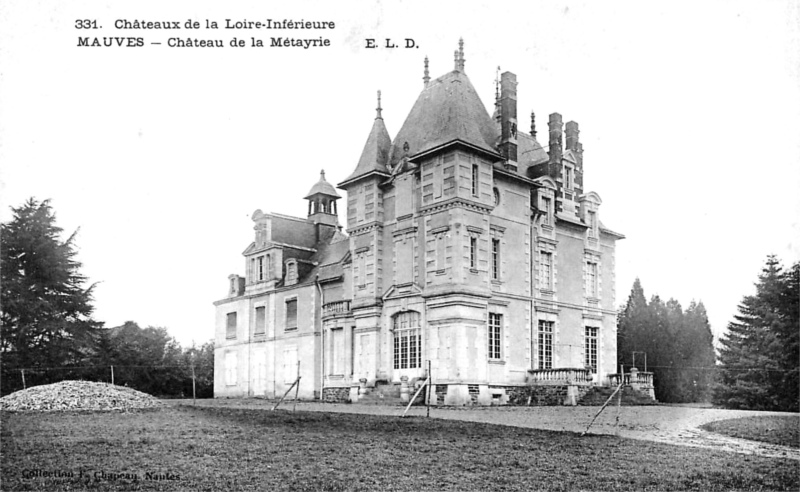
(112, 375)
(428, 392)
(24, 386)
(194, 397)
(297, 388)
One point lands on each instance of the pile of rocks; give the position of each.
(77, 395)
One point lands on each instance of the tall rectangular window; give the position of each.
(291, 314)
(495, 259)
(495, 328)
(475, 182)
(546, 271)
(473, 252)
(568, 177)
(591, 279)
(546, 210)
(440, 250)
(590, 348)
(592, 219)
(407, 340)
(261, 321)
(260, 268)
(545, 344)
(230, 329)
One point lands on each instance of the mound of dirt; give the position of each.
(77, 395)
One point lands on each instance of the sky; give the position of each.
(689, 115)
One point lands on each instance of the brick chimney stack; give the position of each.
(555, 148)
(508, 117)
(572, 136)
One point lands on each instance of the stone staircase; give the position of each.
(630, 397)
(381, 394)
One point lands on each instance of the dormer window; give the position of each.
(568, 175)
(591, 218)
(547, 210)
(291, 272)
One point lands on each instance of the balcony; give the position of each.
(336, 308)
(560, 376)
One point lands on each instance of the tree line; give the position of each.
(677, 344)
(47, 327)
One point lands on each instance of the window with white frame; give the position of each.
(546, 270)
(547, 210)
(545, 344)
(407, 340)
(590, 348)
(495, 331)
(591, 279)
(475, 180)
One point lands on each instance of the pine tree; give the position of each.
(759, 355)
(632, 325)
(47, 311)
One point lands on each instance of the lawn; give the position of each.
(783, 429)
(186, 448)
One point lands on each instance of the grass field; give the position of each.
(185, 448)
(783, 430)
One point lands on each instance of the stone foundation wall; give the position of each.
(336, 395)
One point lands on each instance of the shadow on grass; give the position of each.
(186, 448)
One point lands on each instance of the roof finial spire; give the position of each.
(426, 78)
(322, 175)
(533, 124)
(455, 57)
(461, 58)
(379, 109)
(497, 94)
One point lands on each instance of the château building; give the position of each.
(469, 247)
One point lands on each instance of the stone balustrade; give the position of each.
(563, 375)
(335, 308)
(644, 379)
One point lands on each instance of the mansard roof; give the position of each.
(447, 111)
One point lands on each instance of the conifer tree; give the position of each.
(46, 308)
(759, 354)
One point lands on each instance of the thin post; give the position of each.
(619, 404)
(428, 393)
(24, 386)
(112, 375)
(297, 388)
(426, 382)
(645, 362)
(602, 408)
(194, 394)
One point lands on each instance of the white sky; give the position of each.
(689, 116)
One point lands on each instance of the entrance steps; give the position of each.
(630, 397)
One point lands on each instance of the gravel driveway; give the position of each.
(665, 424)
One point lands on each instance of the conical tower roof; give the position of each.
(376, 151)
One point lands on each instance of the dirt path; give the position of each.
(665, 424)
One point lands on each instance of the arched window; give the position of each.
(407, 340)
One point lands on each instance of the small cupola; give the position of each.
(322, 202)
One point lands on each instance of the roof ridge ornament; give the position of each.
(461, 58)
(426, 77)
(379, 109)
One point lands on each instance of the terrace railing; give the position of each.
(564, 375)
(644, 379)
(335, 308)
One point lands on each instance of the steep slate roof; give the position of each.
(376, 151)
(322, 187)
(447, 110)
(529, 153)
